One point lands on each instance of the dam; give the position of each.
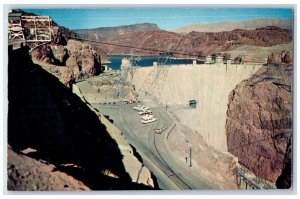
(208, 84)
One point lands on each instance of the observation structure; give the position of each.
(28, 29)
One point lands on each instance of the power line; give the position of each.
(148, 49)
(132, 47)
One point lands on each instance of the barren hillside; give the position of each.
(231, 25)
(105, 32)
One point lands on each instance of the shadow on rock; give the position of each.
(45, 115)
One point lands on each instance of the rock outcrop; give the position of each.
(259, 123)
(80, 58)
(67, 59)
(107, 89)
(83, 59)
(280, 58)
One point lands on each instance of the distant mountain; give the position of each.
(196, 42)
(105, 32)
(230, 25)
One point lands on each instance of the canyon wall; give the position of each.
(259, 123)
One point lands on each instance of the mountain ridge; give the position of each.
(251, 24)
(196, 43)
(105, 32)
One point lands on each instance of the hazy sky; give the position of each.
(165, 18)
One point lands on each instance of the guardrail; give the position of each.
(245, 183)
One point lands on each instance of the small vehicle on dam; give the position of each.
(141, 108)
(160, 130)
(146, 121)
(146, 112)
(146, 117)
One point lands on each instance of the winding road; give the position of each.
(152, 147)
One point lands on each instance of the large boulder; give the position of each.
(79, 57)
(259, 122)
(83, 57)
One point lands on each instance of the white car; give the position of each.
(145, 108)
(141, 108)
(145, 112)
(147, 117)
(160, 130)
(149, 120)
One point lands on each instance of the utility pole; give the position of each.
(190, 156)
(166, 106)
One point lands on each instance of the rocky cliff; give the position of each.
(105, 32)
(196, 43)
(259, 123)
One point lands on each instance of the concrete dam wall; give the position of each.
(209, 84)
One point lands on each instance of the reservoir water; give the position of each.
(116, 61)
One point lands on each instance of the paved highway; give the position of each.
(152, 146)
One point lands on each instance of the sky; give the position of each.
(165, 18)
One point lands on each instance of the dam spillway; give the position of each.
(208, 84)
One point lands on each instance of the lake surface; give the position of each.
(116, 61)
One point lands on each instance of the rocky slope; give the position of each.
(230, 25)
(48, 122)
(107, 89)
(24, 171)
(196, 43)
(156, 39)
(105, 32)
(259, 123)
(258, 53)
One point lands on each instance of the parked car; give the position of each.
(160, 130)
(145, 112)
(141, 108)
(146, 117)
(125, 101)
(148, 120)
